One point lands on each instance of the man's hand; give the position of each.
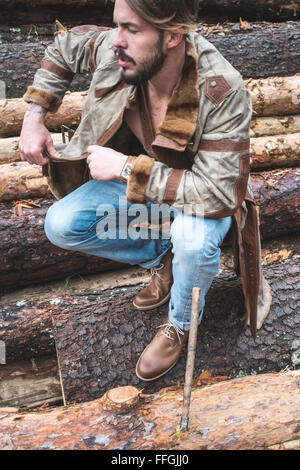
(105, 163)
(35, 137)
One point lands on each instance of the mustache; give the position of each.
(121, 55)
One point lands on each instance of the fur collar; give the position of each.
(180, 121)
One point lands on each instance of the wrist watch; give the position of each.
(126, 170)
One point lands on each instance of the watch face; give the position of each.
(127, 170)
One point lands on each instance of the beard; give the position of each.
(147, 69)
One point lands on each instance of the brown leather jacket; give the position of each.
(199, 154)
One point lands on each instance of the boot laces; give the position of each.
(154, 271)
(168, 333)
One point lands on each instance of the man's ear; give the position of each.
(174, 39)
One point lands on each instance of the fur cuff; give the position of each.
(42, 98)
(138, 179)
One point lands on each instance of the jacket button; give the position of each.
(213, 84)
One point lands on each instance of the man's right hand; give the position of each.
(35, 137)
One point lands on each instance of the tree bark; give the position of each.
(9, 148)
(246, 4)
(18, 64)
(12, 114)
(263, 50)
(213, 3)
(277, 194)
(99, 335)
(256, 412)
(21, 14)
(41, 3)
(275, 151)
(272, 126)
(98, 343)
(257, 50)
(275, 95)
(22, 180)
(26, 255)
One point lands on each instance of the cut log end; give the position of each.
(121, 399)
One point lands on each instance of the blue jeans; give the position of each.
(96, 219)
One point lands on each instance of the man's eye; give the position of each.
(133, 31)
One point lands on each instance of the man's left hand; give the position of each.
(105, 163)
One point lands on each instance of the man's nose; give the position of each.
(119, 40)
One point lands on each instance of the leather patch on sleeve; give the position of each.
(59, 71)
(224, 146)
(217, 88)
(172, 186)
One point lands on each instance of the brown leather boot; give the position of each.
(157, 292)
(162, 353)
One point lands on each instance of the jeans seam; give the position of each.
(195, 277)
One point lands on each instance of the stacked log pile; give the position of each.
(268, 49)
(56, 341)
(28, 256)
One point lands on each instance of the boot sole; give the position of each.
(158, 376)
(151, 307)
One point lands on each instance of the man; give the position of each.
(166, 121)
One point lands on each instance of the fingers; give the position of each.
(51, 149)
(93, 148)
(34, 156)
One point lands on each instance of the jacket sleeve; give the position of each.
(216, 184)
(71, 53)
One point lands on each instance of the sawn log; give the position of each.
(9, 148)
(12, 114)
(99, 335)
(275, 151)
(257, 412)
(274, 125)
(274, 96)
(214, 3)
(20, 180)
(26, 255)
(277, 195)
(268, 151)
(258, 50)
(259, 127)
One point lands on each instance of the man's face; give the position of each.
(138, 45)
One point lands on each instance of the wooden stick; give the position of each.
(189, 372)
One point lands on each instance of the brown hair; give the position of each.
(167, 15)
